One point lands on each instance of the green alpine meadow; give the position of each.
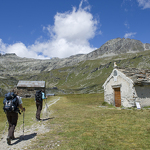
(85, 122)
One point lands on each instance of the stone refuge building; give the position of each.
(127, 86)
(28, 88)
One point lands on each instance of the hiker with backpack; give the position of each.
(12, 102)
(39, 96)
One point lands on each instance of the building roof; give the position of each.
(138, 76)
(31, 84)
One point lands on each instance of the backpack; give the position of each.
(38, 95)
(10, 102)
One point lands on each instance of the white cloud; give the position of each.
(20, 50)
(130, 35)
(144, 3)
(69, 35)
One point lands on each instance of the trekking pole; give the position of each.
(23, 124)
(46, 105)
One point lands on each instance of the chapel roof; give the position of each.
(31, 84)
(138, 76)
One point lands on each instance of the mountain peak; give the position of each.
(118, 46)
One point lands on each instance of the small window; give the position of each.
(115, 73)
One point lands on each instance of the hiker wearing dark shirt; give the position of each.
(39, 96)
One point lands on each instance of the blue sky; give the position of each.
(44, 29)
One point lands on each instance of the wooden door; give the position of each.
(117, 97)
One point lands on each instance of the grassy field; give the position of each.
(82, 122)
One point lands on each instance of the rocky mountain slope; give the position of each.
(119, 46)
(80, 73)
(14, 65)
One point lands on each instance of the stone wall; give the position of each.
(126, 89)
(28, 92)
(143, 95)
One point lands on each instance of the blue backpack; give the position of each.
(10, 102)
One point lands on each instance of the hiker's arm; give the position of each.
(23, 109)
(43, 96)
(20, 103)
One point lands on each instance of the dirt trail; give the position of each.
(30, 133)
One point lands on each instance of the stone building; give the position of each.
(29, 88)
(127, 86)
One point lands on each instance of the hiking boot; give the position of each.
(38, 119)
(8, 140)
(13, 138)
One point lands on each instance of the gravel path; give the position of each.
(30, 133)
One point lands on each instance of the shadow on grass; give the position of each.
(24, 137)
(47, 119)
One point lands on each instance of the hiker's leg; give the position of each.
(39, 108)
(8, 114)
(9, 121)
(12, 124)
(41, 105)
